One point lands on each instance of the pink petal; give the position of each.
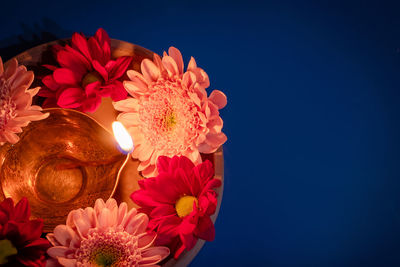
(58, 251)
(153, 255)
(63, 234)
(129, 104)
(150, 71)
(10, 68)
(135, 88)
(218, 98)
(216, 140)
(215, 125)
(147, 240)
(25, 79)
(137, 224)
(170, 65)
(192, 64)
(188, 79)
(67, 262)
(10, 137)
(177, 56)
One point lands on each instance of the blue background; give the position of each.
(312, 161)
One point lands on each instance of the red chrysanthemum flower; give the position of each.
(179, 202)
(85, 74)
(20, 241)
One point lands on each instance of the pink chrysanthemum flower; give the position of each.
(170, 113)
(106, 235)
(16, 106)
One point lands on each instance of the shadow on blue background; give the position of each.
(312, 161)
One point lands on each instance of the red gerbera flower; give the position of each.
(85, 74)
(179, 202)
(20, 241)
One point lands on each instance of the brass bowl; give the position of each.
(128, 176)
(36, 167)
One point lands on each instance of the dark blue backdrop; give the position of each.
(312, 160)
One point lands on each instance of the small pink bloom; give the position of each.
(85, 74)
(179, 202)
(169, 112)
(106, 235)
(16, 106)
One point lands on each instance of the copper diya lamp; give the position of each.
(62, 163)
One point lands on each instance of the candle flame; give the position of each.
(123, 138)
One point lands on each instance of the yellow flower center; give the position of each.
(170, 120)
(184, 205)
(6, 249)
(91, 77)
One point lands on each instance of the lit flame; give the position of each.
(123, 138)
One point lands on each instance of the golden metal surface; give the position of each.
(30, 167)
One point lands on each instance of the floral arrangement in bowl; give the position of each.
(171, 186)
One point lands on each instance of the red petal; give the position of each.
(65, 76)
(80, 43)
(50, 67)
(91, 104)
(162, 211)
(205, 229)
(118, 93)
(70, 61)
(7, 206)
(163, 164)
(71, 98)
(81, 57)
(22, 211)
(104, 41)
(95, 50)
(92, 88)
(50, 102)
(50, 82)
(119, 68)
(179, 252)
(100, 69)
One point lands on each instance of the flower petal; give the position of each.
(177, 56)
(150, 71)
(71, 98)
(218, 98)
(65, 76)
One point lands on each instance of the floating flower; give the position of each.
(106, 235)
(85, 75)
(20, 242)
(16, 106)
(179, 202)
(170, 113)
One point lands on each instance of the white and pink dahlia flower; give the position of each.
(16, 109)
(106, 235)
(170, 113)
